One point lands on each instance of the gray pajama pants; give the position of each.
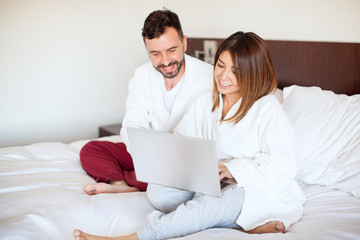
(181, 213)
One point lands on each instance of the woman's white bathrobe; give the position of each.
(260, 153)
(145, 106)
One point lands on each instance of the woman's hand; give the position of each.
(224, 172)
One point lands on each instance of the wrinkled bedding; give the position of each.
(41, 197)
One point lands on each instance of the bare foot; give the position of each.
(79, 235)
(270, 227)
(112, 187)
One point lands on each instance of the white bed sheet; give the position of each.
(41, 197)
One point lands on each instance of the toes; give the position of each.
(90, 189)
(279, 226)
(76, 234)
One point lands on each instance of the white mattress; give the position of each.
(41, 197)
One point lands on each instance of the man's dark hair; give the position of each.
(157, 22)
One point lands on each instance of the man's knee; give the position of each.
(88, 147)
(89, 151)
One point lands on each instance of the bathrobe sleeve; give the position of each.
(137, 103)
(274, 166)
(197, 121)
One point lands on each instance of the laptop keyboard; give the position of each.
(224, 184)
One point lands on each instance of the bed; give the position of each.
(41, 194)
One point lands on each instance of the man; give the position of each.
(160, 92)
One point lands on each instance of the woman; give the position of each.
(255, 142)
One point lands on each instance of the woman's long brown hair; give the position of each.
(254, 70)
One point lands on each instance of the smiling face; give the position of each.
(225, 78)
(167, 53)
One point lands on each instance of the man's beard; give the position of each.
(176, 70)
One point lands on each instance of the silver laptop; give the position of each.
(176, 161)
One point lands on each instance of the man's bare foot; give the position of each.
(79, 235)
(270, 227)
(112, 187)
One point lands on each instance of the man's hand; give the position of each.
(224, 172)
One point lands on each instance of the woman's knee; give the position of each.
(155, 194)
(167, 199)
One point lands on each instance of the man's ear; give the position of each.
(185, 43)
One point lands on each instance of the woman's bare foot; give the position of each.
(79, 235)
(270, 227)
(111, 187)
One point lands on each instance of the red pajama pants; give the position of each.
(105, 161)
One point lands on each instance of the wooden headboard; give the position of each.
(331, 66)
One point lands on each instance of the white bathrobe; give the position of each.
(260, 153)
(145, 106)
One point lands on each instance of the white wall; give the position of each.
(65, 65)
(308, 20)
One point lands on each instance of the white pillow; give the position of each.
(327, 127)
(350, 185)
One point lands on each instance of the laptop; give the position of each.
(176, 161)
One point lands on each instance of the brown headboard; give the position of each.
(329, 65)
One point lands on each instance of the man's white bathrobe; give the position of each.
(260, 153)
(145, 105)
